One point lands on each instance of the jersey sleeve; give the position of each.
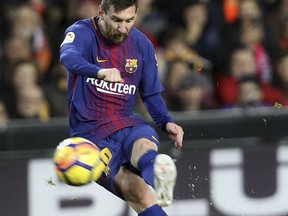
(150, 89)
(157, 109)
(150, 83)
(72, 50)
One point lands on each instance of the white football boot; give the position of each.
(165, 178)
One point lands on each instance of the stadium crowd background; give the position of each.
(215, 54)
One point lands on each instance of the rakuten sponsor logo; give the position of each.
(112, 88)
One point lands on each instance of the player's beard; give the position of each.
(116, 36)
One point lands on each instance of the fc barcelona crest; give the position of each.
(131, 65)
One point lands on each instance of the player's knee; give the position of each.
(140, 147)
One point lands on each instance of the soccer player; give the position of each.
(108, 60)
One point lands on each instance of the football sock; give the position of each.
(154, 210)
(146, 167)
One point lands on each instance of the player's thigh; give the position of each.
(141, 139)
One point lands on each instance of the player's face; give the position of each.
(117, 26)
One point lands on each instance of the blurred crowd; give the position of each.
(212, 54)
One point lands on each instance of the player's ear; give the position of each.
(101, 12)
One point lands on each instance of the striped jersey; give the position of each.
(97, 106)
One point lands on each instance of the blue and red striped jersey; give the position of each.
(96, 105)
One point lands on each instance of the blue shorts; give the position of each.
(120, 143)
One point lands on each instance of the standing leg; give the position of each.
(137, 193)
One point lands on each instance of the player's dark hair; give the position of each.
(118, 5)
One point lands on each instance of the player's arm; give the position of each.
(72, 52)
(158, 112)
(156, 107)
(75, 63)
(150, 90)
(150, 87)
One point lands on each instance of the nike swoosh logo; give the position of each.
(100, 60)
(155, 139)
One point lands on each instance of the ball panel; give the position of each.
(78, 175)
(88, 154)
(98, 171)
(61, 176)
(65, 157)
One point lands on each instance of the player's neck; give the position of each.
(101, 27)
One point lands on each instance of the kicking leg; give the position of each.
(165, 178)
(159, 171)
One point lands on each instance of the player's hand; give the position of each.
(110, 75)
(175, 133)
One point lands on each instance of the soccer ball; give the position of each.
(78, 161)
